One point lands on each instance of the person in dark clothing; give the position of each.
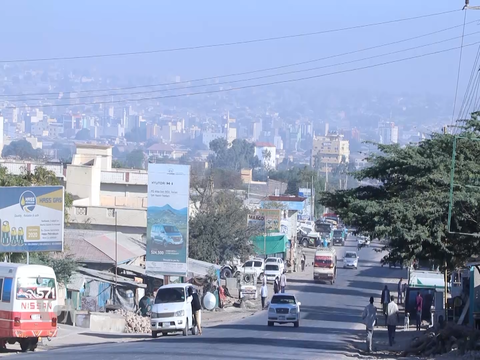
(303, 262)
(418, 308)
(276, 286)
(196, 309)
(385, 299)
(145, 304)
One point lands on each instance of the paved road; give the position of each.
(329, 326)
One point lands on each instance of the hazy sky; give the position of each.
(32, 29)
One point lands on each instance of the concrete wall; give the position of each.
(107, 322)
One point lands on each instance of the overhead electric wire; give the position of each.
(245, 72)
(252, 78)
(469, 91)
(234, 43)
(459, 67)
(255, 85)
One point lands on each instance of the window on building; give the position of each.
(80, 210)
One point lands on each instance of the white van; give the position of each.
(172, 310)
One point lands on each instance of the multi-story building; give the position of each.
(329, 151)
(106, 198)
(388, 133)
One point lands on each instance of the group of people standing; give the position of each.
(391, 312)
(279, 285)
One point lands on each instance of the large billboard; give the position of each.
(307, 213)
(32, 218)
(167, 219)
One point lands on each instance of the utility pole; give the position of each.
(116, 254)
(312, 201)
(445, 131)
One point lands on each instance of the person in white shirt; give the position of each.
(283, 282)
(264, 291)
(392, 319)
(369, 317)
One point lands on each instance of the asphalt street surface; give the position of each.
(329, 327)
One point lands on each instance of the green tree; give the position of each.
(135, 159)
(83, 134)
(407, 205)
(219, 231)
(63, 265)
(240, 155)
(136, 135)
(117, 164)
(22, 149)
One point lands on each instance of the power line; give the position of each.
(470, 90)
(258, 85)
(238, 73)
(234, 43)
(459, 67)
(260, 77)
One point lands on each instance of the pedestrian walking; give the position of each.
(392, 320)
(264, 291)
(418, 308)
(196, 309)
(276, 285)
(325, 242)
(400, 291)
(385, 299)
(145, 304)
(304, 259)
(283, 282)
(369, 317)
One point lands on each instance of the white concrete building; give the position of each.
(267, 154)
(388, 133)
(106, 198)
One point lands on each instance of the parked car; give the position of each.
(350, 260)
(172, 311)
(277, 261)
(283, 309)
(254, 267)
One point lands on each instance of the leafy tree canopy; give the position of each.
(407, 204)
(135, 159)
(218, 231)
(22, 149)
(83, 134)
(239, 156)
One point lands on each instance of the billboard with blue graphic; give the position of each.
(32, 218)
(167, 219)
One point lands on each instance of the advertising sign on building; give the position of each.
(272, 218)
(167, 219)
(307, 212)
(32, 218)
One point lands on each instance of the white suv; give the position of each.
(255, 267)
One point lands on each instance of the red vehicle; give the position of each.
(28, 304)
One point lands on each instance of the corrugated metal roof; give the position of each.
(76, 282)
(99, 247)
(109, 277)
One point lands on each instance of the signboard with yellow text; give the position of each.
(32, 218)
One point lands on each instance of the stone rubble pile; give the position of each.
(135, 324)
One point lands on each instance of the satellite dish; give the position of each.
(209, 301)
